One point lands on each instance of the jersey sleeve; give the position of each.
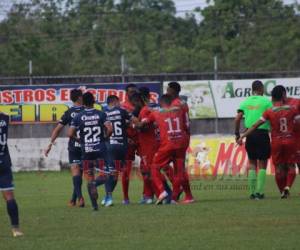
(75, 122)
(148, 118)
(266, 115)
(64, 120)
(241, 107)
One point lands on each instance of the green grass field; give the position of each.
(222, 218)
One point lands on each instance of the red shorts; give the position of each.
(131, 152)
(163, 157)
(298, 148)
(284, 152)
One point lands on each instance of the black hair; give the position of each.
(175, 86)
(282, 88)
(277, 93)
(257, 86)
(131, 85)
(88, 99)
(145, 92)
(111, 98)
(136, 97)
(165, 99)
(75, 94)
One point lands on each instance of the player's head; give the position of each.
(131, 89)
(173, 89)
(277, 94)
(137, 100)
(282, 89)
(145, 93)
(113, 100)
(88, 99)
(165, 100)
(76, 95)
(258, 87)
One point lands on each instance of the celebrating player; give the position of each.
(132, 144)
(117, 144)
(257, 143)
(6, 177)
(73, 146)
(93, 128)
(172, 139)
(173, 90)
(282, 118)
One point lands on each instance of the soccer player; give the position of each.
(257, 143)
(172, 130)
(132, 144)
(174, 90)
(116, 145)
(93, 128)
(283, 122)
(6, 177)
(74, 148)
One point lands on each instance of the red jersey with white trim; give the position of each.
(172, 127)
(296, 103)
(282, 120)
(148, 136)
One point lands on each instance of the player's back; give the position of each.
(282, 120)
(171, 126)
(90, 124)
(119, 118)
(5, 161)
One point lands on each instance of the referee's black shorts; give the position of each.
(258, 145)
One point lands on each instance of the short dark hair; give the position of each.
(111, 98)
(136, 97)
(165, 99)
(257, 85)
(75, 94)
(131, 85)
(145, 92)
(88, 99)
(277, 93)
(282, 88)
(175, 86)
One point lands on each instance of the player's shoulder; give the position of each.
(4, 118)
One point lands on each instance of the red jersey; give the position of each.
(177, 102)
(295, 103)
(147, 137)
(172, 127)
(282, 120)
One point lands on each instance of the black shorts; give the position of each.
(258, 145)
(6, 180)
(75, 157)
(116, 155)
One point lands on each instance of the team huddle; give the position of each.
(103, 144)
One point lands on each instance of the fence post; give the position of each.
(215, 78)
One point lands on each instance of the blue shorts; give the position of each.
(75, 157)
(6, 180)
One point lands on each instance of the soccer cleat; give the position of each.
(72, 203)
(259, 196)
(81, 202)
(146, 201)
(286, 193)
(161, 198)
(252, 197)
(103, 202)
(187, 201)
(125, 202)
(16, 232)
(109, 202)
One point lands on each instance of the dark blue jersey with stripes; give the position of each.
(119, 119)
(5, 161)
(66, 119)
(90, 124)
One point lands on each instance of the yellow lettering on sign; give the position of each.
(51, 112)
(28, 113)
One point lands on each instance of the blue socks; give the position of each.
(77, 183)
(13, 212)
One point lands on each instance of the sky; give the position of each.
(183, 6)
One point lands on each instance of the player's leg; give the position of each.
(6, 187)
(89, 175)
(263, 154)
(251, 151)
(290, 158)
(77, 183)
(126, 171)
(145, 166)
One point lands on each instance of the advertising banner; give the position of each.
(47, 103)
(198, 96)
(228, 94)
(218, 156)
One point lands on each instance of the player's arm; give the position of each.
(145, 121)
(250, 130)
(237, 124)
(55, 133)
(108, 129)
